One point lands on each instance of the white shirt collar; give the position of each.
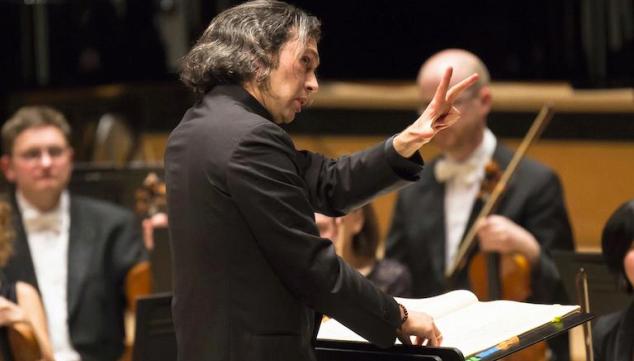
(471, 169)
(35, 220)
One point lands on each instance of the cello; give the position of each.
(494, 276)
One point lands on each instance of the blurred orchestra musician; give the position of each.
(75, 250)
(612, 334)
(432, 216)
(356, 238)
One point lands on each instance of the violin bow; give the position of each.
(539, 124)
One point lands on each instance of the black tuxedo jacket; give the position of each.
(533, 199)
(249, 267)
(104, 243)
(612, 336)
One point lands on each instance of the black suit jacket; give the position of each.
(533, 199)
(104, 243)
(249, 267)
(612, 336)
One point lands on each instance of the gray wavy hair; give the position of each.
(243, 43)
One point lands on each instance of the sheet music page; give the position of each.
(441, 305)
(333, 330)
(485, 324)
(436, 307)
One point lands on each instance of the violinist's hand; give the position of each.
(439, 114)
(11, 313)
(500, 234)
(422, 327)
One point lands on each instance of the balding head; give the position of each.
(463, 62)
(459, 140)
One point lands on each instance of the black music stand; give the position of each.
(543, 333)
(604, 292)
(328, 350)
(154, 339)
(161, 261)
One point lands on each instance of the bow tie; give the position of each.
(465, 172)
(44, 222)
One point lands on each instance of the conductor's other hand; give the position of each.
(422, 327)
(439, 114)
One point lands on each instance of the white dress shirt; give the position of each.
(462, 185)
(47, 235)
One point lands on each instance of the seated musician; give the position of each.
(356, 238)
(613, 334)
(150, 207)
(75, 250)
(21, 310)
(432, 216)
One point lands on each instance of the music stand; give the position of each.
(603, 287)
(154, 338)
(329, 350)
(357, 351)
(161, 261)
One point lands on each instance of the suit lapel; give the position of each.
(20, 267)
(80, 249)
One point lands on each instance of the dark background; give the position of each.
(586, 42)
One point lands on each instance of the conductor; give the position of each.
(251, 273)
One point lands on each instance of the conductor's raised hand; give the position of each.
(422, 327)
(439, 114)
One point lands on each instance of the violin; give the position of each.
(151, 206)
(24, 344)
(149, 201)
(493, 276)
(151, 196)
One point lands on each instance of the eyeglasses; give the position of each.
(35, 154)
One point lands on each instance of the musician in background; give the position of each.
(356, 238)
(613, 333)
(21, 309)
(75, 250)
(432, 216)
(151, 207)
